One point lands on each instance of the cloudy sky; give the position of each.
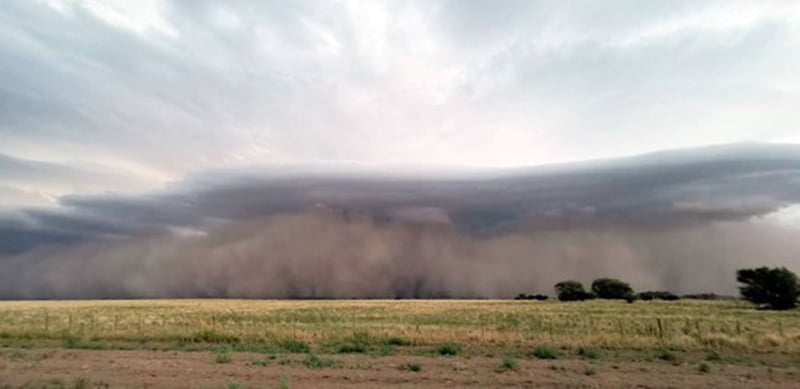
(131, 118)
(128, 95)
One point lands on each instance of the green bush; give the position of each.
(657, 295)
(352, 348)
(396, 341)
(295, 346)
(222, 355)
(544, 353)
(211, 336)
(449, 349)
(589, 353)
(668, 356)
(508, 364)
(314, 362)
(411, 366)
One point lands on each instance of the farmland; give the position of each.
(470, 331)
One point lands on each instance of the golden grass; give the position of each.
(684, 325)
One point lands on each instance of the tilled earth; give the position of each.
(175, 369)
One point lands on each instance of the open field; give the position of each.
(685, 325)
(321, 342)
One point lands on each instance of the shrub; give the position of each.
(668, 356)
(211, 336)
(589, 371)
(295, 346)
(223, 355)
(235, 385)
(396, 341)
(314, 362)
(449, 349)
(658, 295)
(776, 288)
(589, 353)
(544, 353)
(714, 357)
(507, 364)
(411, 366)
(352, 348)
(523, 296)
(358, 343)
(572, 291)
(703, 367)
(610, 288)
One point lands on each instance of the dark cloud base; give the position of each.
(681, 220)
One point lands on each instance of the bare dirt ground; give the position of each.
(171, 369)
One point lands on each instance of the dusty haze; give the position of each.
(682, 221)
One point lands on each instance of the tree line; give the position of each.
(770, 288)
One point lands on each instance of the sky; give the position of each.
(170, 120)
(117, 95)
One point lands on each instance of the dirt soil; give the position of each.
(170, 369)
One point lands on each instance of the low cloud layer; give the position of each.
(682, 220)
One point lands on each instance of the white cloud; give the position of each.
(155, 89)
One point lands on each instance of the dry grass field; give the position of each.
(688, 343)
(683, 325)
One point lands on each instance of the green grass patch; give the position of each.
(396, 341)
(449, 349)
(223, 355)
(315, 362)
(544, 353)
(212, 336)
(295, 346)
(508, 364)
(74, 342)
(589, 353)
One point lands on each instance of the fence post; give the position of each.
(660, 328)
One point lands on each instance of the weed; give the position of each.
(352, 348)
(235, 385)
(411, 366)
(284, 382)
(449, 349)
(396, 341)
(223, 355)
(589, 353)
(74, 342)
(508, 364)
(714, 357)
(211, 336)
(80, 383)
(314, 362)
(544, 353)
(704, 367)
(588, 370)
(295, 346)
(668, 356)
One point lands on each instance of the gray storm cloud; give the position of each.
(682, 220)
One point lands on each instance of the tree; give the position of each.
(776, 288)
(572, 291)
(610, 288)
